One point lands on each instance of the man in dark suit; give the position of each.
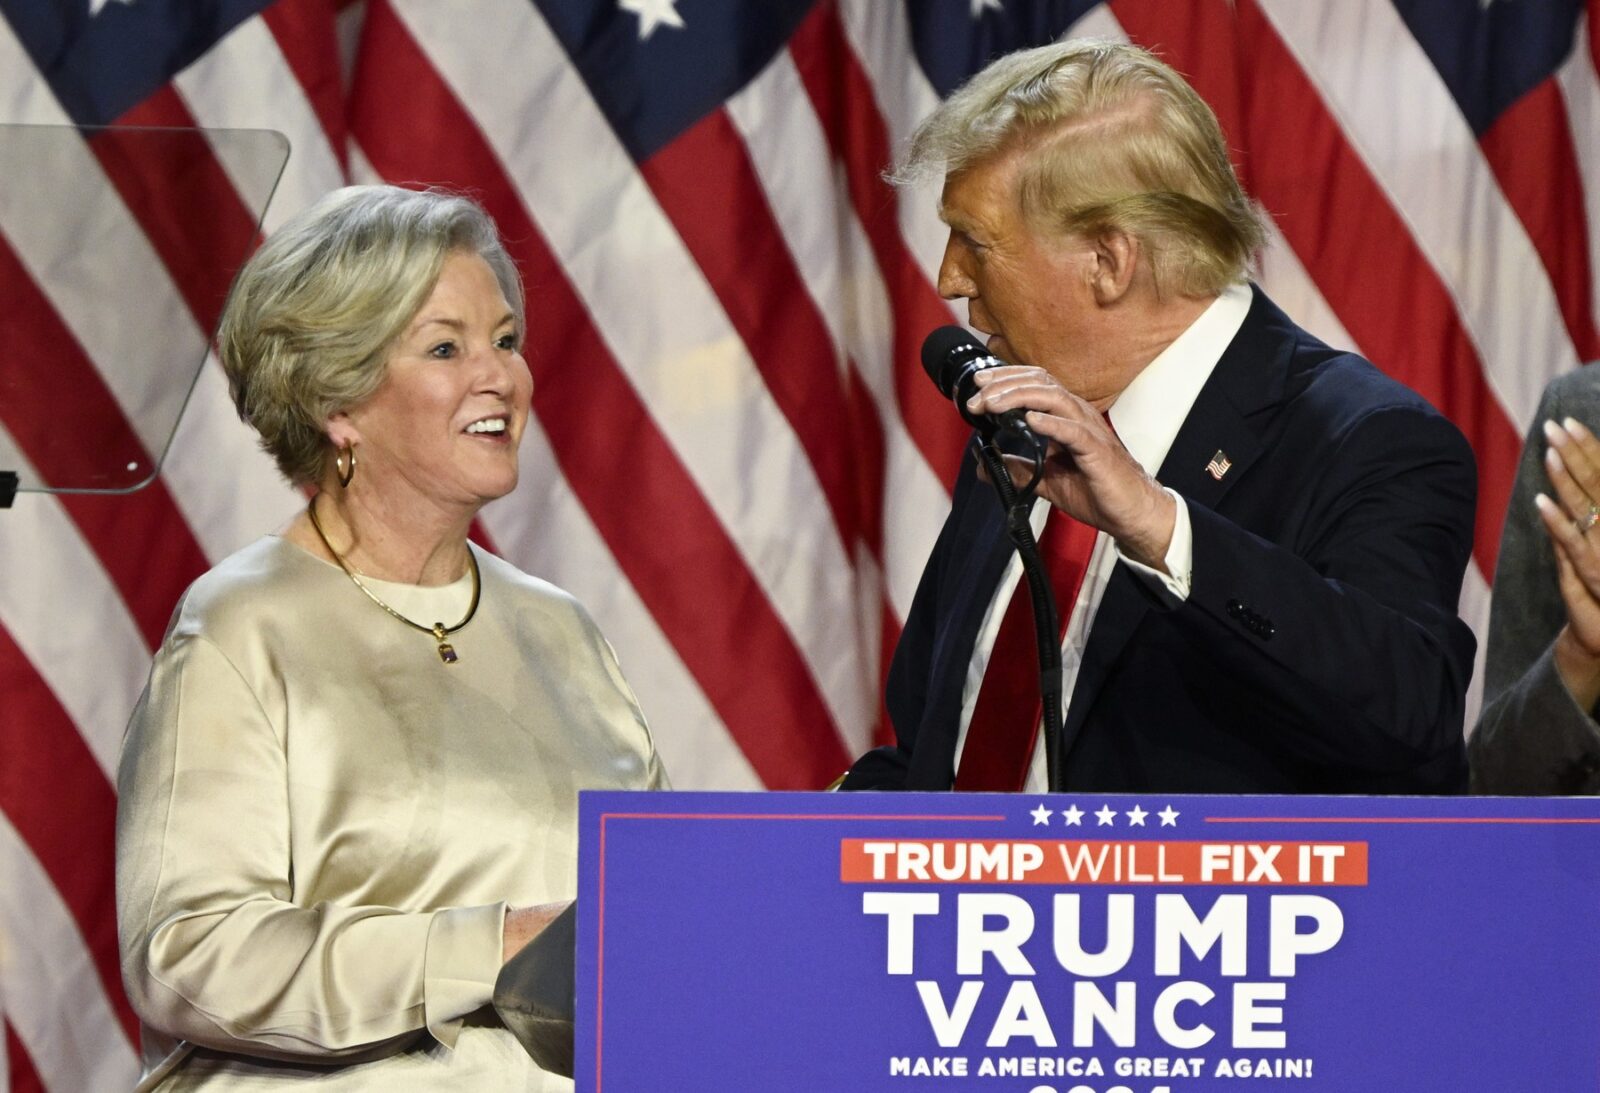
(1274, 610)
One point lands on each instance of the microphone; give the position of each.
(953, 358)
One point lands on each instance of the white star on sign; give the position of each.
(1105, 815)
(1136, 816)
(97, 6)
(1169, 816)
(652, 14)
(981, 6)
(1073, 815)
(1041, 815)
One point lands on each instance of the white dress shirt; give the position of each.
(1147, 417)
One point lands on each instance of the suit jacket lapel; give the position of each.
(983, 551)
(1248, 380)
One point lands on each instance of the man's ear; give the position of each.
(1116, 260)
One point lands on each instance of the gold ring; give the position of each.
(1589, 520)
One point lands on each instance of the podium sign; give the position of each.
(1086, 944)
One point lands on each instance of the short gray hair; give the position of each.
(312, 315)
(1114, 139)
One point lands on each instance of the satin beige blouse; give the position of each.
(320, 824)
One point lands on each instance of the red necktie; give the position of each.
(1005, 720)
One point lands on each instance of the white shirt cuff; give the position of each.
(1173, 585)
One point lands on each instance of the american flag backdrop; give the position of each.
(735, 461)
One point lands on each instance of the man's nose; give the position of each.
(954, 282)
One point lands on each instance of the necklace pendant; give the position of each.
(439, 631)
(447, 652)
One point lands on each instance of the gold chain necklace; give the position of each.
(438, 631)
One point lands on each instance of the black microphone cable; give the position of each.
(953, 358)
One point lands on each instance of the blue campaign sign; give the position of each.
(1075, 944)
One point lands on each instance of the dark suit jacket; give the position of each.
(1319, 649)
(1532, 736)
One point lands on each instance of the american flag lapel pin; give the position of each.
(1219, 465)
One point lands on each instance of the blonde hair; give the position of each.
(312, 315)
(1111, 139)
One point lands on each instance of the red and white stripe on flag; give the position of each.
(735, 461)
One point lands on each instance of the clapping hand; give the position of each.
(1572, 463)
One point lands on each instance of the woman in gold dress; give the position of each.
(349, 791)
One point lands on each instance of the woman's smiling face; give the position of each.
(446, 422)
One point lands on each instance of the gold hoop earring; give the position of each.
(345, 473)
